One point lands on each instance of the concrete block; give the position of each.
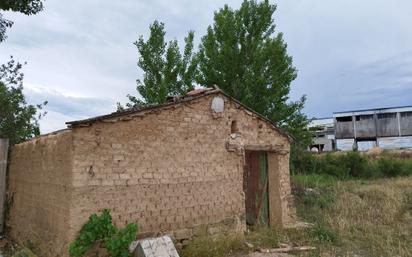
(154, 247)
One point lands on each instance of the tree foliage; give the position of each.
(166, 71)
(244, 55)
(18, 120)
(241, 53)
(28, 7)
(4, 24)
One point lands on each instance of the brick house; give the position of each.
(201, 162)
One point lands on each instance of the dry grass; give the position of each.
(231, 244)
(375, 218)
(369, 218)
(214, 246)
(363, 218)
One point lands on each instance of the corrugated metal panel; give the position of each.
(366, 145)
(395, 142)
(372, 111)
(345, 144)
(331, 136)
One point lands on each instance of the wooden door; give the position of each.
(255, 185)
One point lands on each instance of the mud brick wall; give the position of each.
(176, 170)
(169, 170)
(39, 182)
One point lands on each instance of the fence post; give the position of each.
(4, 146)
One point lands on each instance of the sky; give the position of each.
(80, 56)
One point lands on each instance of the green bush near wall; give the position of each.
(101, 228)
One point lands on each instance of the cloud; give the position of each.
(350, 54)
(389, 81)
(54, 121)
(62, 107)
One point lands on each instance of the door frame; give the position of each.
(277, 162)
(256, 188)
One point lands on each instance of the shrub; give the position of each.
(302, 162)
(406, 168)
(333, 165)
(356, 163)
(118, 244)
(115, 240)
(350, 165)
(391, 167)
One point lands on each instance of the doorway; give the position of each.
(255, 186)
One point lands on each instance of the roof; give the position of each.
(321, 122)
(323, 118)
(385, 109)
(172, 101)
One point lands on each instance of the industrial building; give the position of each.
(323, 135)
(388, 128)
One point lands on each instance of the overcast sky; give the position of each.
(350, 54)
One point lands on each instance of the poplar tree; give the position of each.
(241, 52)
(166, 72)
(245, 56)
